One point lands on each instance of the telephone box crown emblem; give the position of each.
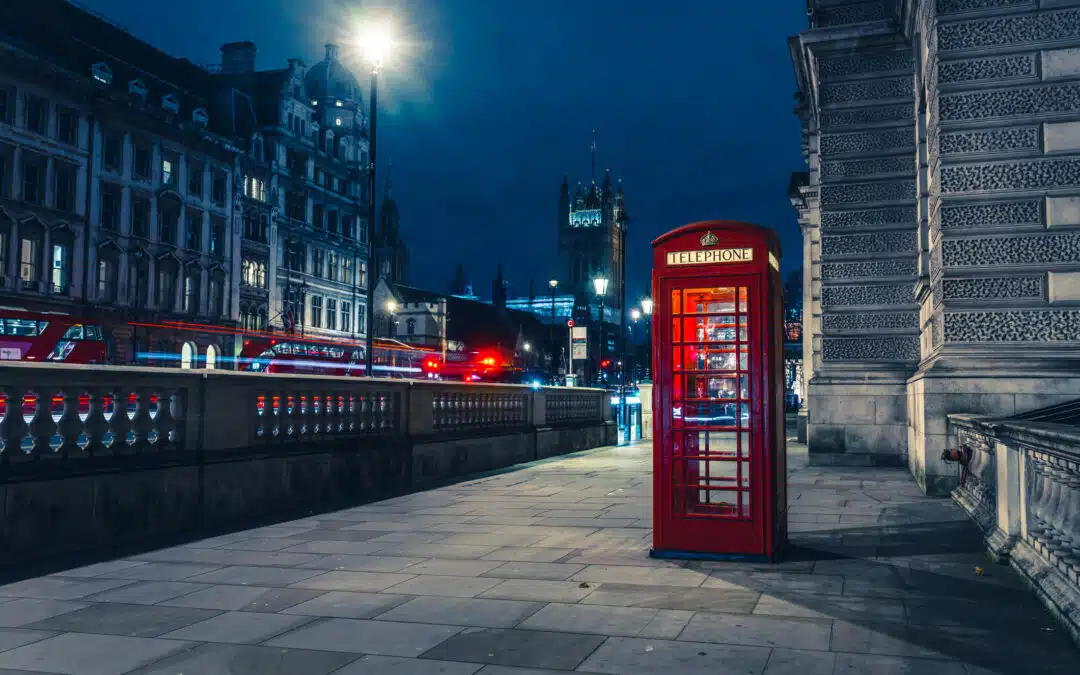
(709, 239)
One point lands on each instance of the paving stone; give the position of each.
(348, 605)
(667, 597)
(535, 570)
(261, 544)
(447, 586)
(22, 611)
(543, 591)
(371, 582)
(757, 630)
(459, 568)
(336, 534)
(862, 664)
(810, 606)
(217, 556)
(224, 659)
(162, 571)
(620, 655)
(98, 569)
(510, 670)
(602, 620)
(56, 588)
(125, 620)
(440, 550)
(531, 649)
(888, 639)
(326, 547)
(148, 592)
(475, 612)
(11, 638)
(411, 537)
(255, 576)
(495, 539)
(80, 654)
(520, 554)
(393, 665)
(642, 575)
(802, 662)
(361, 563)
(385, 638)
(238, 627)
(776, 583)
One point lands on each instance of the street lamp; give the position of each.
(377, 44)
(646, 309)
(600, 285)
(391, 307)
(553, 284)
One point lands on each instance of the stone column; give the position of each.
(1003, 310)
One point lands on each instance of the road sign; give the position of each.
(570, 323)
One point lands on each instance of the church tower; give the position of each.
(391, 253)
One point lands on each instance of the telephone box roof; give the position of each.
(733, 226)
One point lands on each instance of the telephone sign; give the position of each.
(720, 475)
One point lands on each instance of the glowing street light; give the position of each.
(635, 314)
(600, 285)
(528, 347)
(646, 306)
(377, 43)
(391, 306)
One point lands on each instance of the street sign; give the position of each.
(570, 323)
(579, 343)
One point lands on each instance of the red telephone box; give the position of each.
(719, 452)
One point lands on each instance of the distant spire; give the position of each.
(389, 177)
(594, 155)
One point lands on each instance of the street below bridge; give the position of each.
(543, 569)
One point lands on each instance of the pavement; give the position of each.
(542, 570)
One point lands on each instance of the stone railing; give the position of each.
(94, 455)
(1022, 486)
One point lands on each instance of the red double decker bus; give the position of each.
(272, 353)
(486, 365)
(49, 336)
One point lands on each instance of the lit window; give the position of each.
(169, 102)
(337, 121)
(337, 103)
(199, 116)
(166, 171)
(314, 102)
(101, 72)
(137, 88)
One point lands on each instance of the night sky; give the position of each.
(496, 99)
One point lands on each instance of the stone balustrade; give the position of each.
(1023, 488)
(92, 456)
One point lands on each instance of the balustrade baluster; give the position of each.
(120, 422)
(39, 427)
(168, 420)
(1053, 509)
(96, 426)
(70, 426)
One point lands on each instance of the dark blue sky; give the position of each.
(691, 99)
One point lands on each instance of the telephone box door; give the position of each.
(711, 452)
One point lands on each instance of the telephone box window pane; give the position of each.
(704, 358)
(710, 387)
(709, 300)
(676, 331)
(742, 299)
(678, 388)
(710, 415)
(718, 444)
(719, 328)
(676, 302)
(743, 390)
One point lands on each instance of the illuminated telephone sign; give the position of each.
(719, 440)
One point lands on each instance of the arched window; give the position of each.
(189, 354)
(410, 327)
(211, 357)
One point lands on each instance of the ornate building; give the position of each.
(592, 243)
(391, 255)
(941, 220)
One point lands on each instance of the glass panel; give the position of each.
(708, 414)
(712, 443)
(708, 329)
(676, 330)
(743, 391)
(742, 299)
(709, 300)
(676, 302)
(708, 386)
(697, 357)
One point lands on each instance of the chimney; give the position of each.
(238, 58)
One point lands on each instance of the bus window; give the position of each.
(61, 351)
(93, 332)
(75, 332)
(25, 327)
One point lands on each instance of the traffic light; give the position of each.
(606, 363)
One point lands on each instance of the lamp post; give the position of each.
(647, 309)
(635, 315)
(600, 285)
(553, 284)
(377, 45)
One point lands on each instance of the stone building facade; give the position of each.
(941, 220)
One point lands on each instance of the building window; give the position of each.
(332, 221)
(320, 177)
(331, 266)
(110, 207)
(3, 253)
(218, 191)
(361, 318)
(331, 314)
(346, 316)
(7, 104)
(318, 256)
(346, 270)
(5, 171)
(193, 230)
(168, 169)
(165, 295)
(337, 121)
(410, 327)
(37, 114)
(347, 227)
(138, 281)
(143, 157)
(64, 186)
(168, 220)
(140, 217)
(33, 180)
(101, 72)
(106, 280)
(137, 88)
(67, 125)
(318, 212)
(29, 254)
(194, 179)
(253, 273)
(255, 188)
(217, 237)
(363, 274)
(112, 157)
(60, 261)
(295, 256)
(169, 102)
(200, 117)
(215, 308)
(316, 311)
(296, 206)
(191, 291)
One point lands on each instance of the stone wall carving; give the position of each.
(937, 292)
(897, 215)
(843, 15)
(993, 288)
(877, 89)
(863, 193)
(991, 140)
(1022, 326)
(1022, 102)
(876, 115)
(1010, 30)
(957, 6)
(1016, 175)
(861, 168)
(999, 214)
(937, 329)
(870, 244)
(870, 321)
(935, 261)
(868, 295)
(868, 142)
(837, 67)
(1033, 250)
(899, 348)
(996, 68)
(864, 269)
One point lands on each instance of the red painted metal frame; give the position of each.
(677, 530)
